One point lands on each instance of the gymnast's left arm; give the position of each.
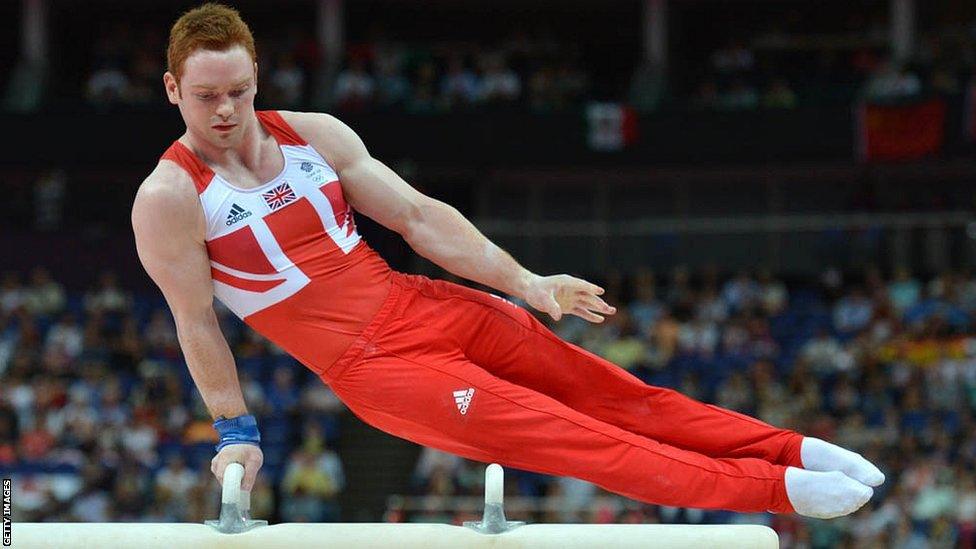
(437, 231)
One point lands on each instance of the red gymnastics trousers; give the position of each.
(466, 372)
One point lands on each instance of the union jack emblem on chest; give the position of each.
(279, 196)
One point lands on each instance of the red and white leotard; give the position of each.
(456, 369)
(285, 256)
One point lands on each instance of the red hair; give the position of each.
(211, 27)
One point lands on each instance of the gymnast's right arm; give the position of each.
(169, 230)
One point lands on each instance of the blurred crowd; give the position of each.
(781, 65)
(128, 71)
(539, 74)
(100, 421)
(124, 70)
(883, 365)
(377, 74)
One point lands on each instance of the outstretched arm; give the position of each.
(168, 225)
(436, 230)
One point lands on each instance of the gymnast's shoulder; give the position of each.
(168, 188)
(331, 137)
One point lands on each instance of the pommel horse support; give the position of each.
(494, 531)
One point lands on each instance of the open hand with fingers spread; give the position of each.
(557, 295)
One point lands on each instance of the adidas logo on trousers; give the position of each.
(463, 399)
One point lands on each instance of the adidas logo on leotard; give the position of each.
(236, 214)
(463, 399)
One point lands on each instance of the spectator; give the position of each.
(262, 498)
(9, 434)
(310, 487)
(646, 309)
(664, 339)
(392, 88)
(711, 308)
(44, 296)
(139, 439)
(318, 397)
(736, 394)
(499, 83)
(199, 430)
(904, 291)
(160, 332)
(424, 99)
(742, 292)
(107, 85)
(283, 396)
(891, 81)
(432, 459)
(49, 200)
(459, 86)
(937, 498)
(699, 337)
(174, 482)
(773, 296)
(144, 86)
(824, 354)
(36, 441)
(288, 82)
(853, 312)
(93, 503)
(733, 58)
(679, 294)
(109, 297)
(627, 350)
(12, 294)
(64, 337)
(354, 88)
(739, 97)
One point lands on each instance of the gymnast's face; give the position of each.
(216, 94)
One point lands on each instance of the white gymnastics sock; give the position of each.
(819, 455)
(824, 495)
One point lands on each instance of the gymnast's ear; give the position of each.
(172, 88)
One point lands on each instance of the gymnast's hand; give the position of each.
(557, 295)
(248, 455)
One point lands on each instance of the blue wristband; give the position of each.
(237, 430)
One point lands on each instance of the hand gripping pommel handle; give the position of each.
(235, 504)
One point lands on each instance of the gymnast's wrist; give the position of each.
(523, 282)
(237, 430)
